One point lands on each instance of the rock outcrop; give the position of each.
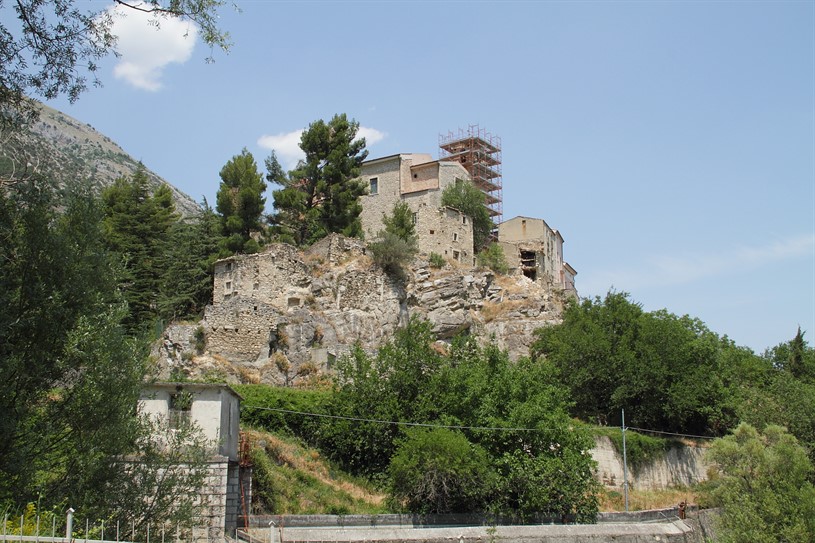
(284, 316)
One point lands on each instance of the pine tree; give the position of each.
(321, 195)
(240, 203)
(186, 283)
(136, 226)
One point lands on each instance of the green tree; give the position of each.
(136, 226)
(667, 372)
(465, 197)
(437, 471)
(240, 202)
(187, 266)
(400, 222)
(69, 375)
(52, 48)
(395, 246)
(493, 257)
(764, 487)
(514, 412)
(321, 195)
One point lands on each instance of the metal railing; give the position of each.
(47, 529)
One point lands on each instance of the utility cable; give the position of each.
(456, 426)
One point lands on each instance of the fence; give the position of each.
(48, 528)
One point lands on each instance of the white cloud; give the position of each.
(371, 135)
(287, 145)
(146, 45)
(678, 269)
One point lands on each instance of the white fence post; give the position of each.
(69, 523)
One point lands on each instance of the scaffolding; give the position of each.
(479, 153)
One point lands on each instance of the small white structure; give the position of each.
(215, 409)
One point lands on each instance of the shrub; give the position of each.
(392, 253)
(200, 339)
(436, 260)
(440, 471)
(493, 258)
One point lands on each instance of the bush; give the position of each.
(258, 397)
(493, 258)
(436, 260)
(439, 471)
(392, 253)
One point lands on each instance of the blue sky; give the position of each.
(672, 143)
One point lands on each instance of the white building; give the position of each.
(215, 409)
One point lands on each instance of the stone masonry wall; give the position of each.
(291, 314)
(376, 206)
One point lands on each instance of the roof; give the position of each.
(179, 385)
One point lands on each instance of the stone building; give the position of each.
(419, 181)
(534, 249)
(215, 409)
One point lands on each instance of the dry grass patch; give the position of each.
(642, 500)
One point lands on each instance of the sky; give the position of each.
(671, 143)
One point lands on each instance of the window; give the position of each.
(228, 286)
(456, 255)
(455, 236)
(415, 219)
(432, 232)
(374, 185)
(180, 408)
(464, 219)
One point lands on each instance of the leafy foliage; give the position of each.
(440, 471)
(493, 257)
(395, 246)
(765, 488)
(436, 260)
(541, 468)
(667, 372)
(465, 197)
(186, 266)
(240, 203)
(400, 222)
(321, 195)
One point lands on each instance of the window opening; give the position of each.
(374, 185)
(180, 408)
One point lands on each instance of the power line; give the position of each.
(454, 426)
(401, 423)
(668, 433)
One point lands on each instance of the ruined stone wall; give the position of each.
(276, 277)
(310, 308)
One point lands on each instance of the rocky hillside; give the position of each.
(284, 316)
(61, 146)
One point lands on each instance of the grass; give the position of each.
(641, 500)
(290, 478)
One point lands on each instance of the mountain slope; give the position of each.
(61, 146)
